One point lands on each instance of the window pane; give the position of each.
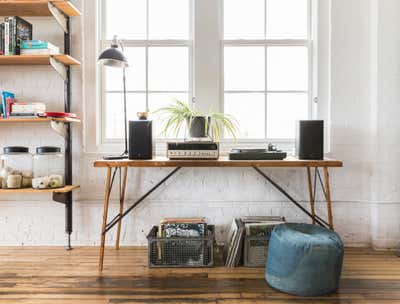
(287, 68)
(126, 18)
(168, 69)
(244, 19)
(287, 19)
(249, 111)
(168, 19)
(280, 121)
(159, 100)
(114, 112)
(135, 74)
(244, 68)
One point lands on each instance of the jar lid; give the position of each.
(44, 150)
(15, 149)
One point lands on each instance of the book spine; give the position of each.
(3, 100)
(1, 38)
(11, 35)
(15, 37)
(6, 37)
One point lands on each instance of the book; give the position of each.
(6, 37)
(19, 107)
(22, 32)
(38, 47)
(25, 52)
(2, 39)
(13, 31)
(7, 98)
(36, 44)
(22, 116)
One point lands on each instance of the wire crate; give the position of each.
(181, 251)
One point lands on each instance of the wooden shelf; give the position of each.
(65, 189)
(39, 120)
(36, 8)
(36, 59)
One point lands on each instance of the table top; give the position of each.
(290, 162)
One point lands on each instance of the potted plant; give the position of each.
(200, 125)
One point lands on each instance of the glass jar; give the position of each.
(48, 168)
(16, 168)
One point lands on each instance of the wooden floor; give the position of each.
(53, 275)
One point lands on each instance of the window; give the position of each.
(251, 59)
(267, 68)
(156, 36)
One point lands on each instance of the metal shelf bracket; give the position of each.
(60, 17)
(59, 127)
(60, 68)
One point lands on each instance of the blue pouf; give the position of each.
(304, 260)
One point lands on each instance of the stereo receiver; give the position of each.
(192, 150)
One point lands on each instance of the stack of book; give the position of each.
(27, 110)
(247, 226)
(13, 31)
(10, 108)
(38, 47)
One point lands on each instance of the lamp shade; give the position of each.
(113, 57)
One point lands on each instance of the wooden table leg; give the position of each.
(328, 197)
(311, 191)
(105, 214)
(121, 206)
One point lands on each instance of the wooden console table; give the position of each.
(115, 166)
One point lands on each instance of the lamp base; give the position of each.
(116, 157)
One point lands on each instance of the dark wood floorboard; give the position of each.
(46, 275)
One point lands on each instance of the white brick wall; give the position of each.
(364, 113)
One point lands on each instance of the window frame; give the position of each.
(206, 72)
(146, 44)
(309, 43)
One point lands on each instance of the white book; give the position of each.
(6, 37)
(40, 51)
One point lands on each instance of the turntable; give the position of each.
(272, 153)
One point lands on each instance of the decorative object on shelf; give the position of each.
(16, 168)
(13, 31)
(199, 125)
(48, 168)
(113, 57)
(38, 47)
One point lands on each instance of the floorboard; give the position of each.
(42, 275)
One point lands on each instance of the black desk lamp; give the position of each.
(113, 57)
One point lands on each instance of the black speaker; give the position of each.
(310, 139)
(141, 139)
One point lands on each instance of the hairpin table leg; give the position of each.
(121, 206)
(311, 191)
(105, 213)
(328, 198)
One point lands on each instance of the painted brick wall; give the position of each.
(365, 192)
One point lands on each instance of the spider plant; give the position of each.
(180, 114)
